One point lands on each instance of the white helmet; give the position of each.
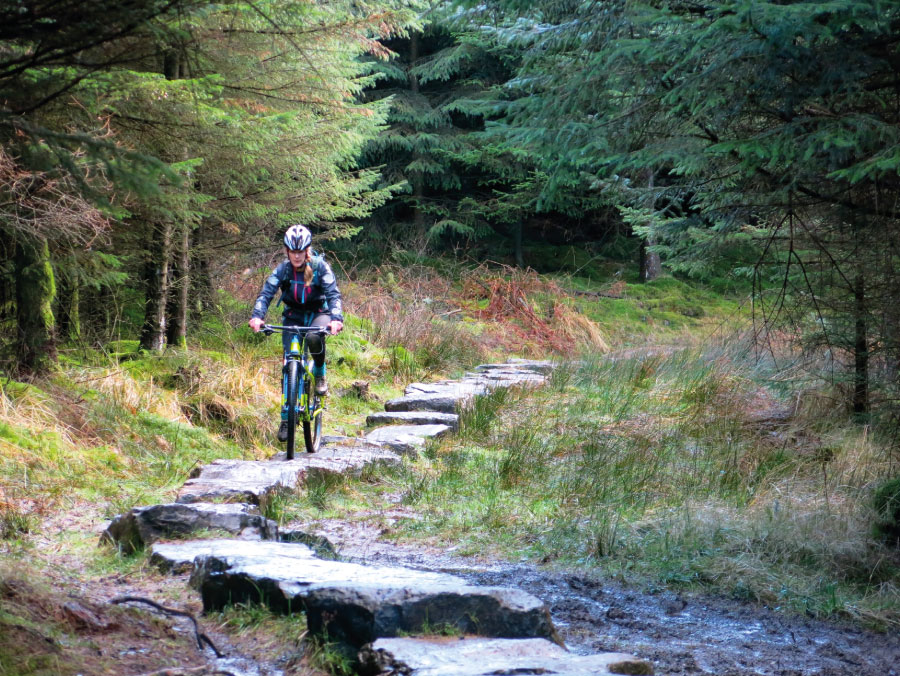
(297, 237)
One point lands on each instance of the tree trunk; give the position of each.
(69, 312)
(860, 349)
(201, 288)
(35, 291)
(517, 238)
(156, 285)
(177, 309)
(651, 266)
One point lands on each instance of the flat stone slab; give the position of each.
(253, 480)
(143, 526)
(356, 604)
(178, 557)
(413, 418)
(447, 395)
(486, 657)
(441, 403)
(406, 439)
(458, 389)
(536, 365)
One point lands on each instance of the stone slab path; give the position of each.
(252, 481)
(364, 606)
(464, 656)
(413, 418)
(407, 439)
(351, 602)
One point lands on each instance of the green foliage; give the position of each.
(233, 120)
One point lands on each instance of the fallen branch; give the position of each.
(191, 671)
(200, 636)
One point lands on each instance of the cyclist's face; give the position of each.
(297, 256)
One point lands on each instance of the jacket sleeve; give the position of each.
(269, 289)
(330, 289)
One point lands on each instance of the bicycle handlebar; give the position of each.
(269, 329)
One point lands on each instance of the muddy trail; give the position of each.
(680, 634)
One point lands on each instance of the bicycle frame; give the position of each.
(299, 403)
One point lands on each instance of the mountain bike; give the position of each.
(299, 400)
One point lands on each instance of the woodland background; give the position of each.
(692, 207)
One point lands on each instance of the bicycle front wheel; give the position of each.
(292, 400)
(312, 423)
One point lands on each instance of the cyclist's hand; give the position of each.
(256, 324)
(336, 327)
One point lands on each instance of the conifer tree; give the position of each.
(765, 122)
(240, 116)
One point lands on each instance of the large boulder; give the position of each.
(143, 526)
(356, 604)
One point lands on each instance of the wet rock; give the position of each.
(406, 439)
(318, 543)
(356, 604)
(542, 366)
(441, 403)
(413, 418)
(143, 526)
(616, 613)
(458, 390)
(253, 480)
(674, 606)
(447, 395)
(484, 657)
(179, 557)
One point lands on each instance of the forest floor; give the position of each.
(680, 633)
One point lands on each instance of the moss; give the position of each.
(122, 346)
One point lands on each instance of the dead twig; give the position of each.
(200, 636)
(190, 671)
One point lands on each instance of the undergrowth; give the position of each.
(678, 468)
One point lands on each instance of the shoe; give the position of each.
(321, 386)
(282, 431)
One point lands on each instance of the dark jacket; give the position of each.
(301, 302)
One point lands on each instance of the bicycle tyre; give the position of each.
(293, 396)
(312, 425)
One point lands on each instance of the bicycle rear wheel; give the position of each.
(293, 395)
(312, 423)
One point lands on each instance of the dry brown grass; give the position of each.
(532, 313)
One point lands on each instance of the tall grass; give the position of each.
(680, 467)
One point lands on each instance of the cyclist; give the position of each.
(310, 296)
